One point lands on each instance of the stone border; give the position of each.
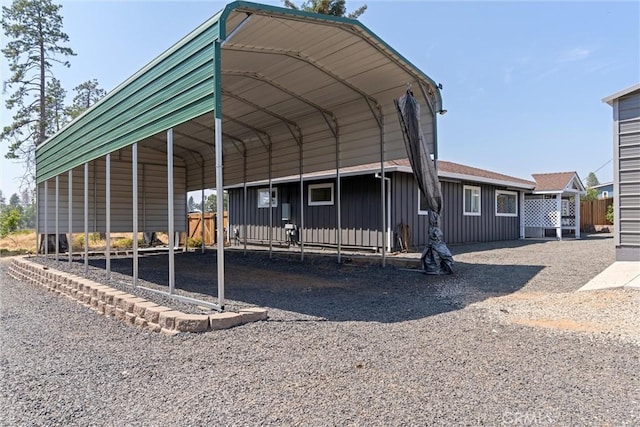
(126, 307)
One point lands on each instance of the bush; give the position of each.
(610, 214)
(195, 242)
(122, 242)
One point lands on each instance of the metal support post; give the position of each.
(171, 235)
(86, 217)
(70, 215)
(108, 215)
(220, 211)
(56, 217)
(46, 219)
(134, 165)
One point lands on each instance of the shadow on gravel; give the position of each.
(320, 288)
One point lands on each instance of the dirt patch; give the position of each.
(564, 324)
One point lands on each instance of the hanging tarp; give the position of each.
(436, 257)
(418, 152)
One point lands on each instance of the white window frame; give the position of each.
(510, 193)
(274, 197)
(464, 200)
(320, 203)
(420, 211)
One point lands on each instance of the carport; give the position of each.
(255, 93)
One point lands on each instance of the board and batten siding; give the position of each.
(152, 195)
(456, 227)
(361, 214)
(627, 179)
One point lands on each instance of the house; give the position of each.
(479, 206)
(553, 207)
(605, 191)
(626, 172)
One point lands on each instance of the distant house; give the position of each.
(605, 191)
(553, 207)
(626, 172)
(479, 206)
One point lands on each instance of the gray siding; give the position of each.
(628, 168)
(361, 213)
(360, 219)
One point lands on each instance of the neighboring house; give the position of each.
(626, 172)
(479, 206)
(553, 207)
(605, 191)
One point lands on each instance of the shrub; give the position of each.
(610, 214)
(195, 242)
(122, 242)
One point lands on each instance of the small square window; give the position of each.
(506, 203)
(321, 194)
(263, 197)
(471, 200)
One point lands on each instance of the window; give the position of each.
(471, 200)
(320, 194)
(423, 207)
(263, 197)
(506, 203)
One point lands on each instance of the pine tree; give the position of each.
(55, 111)
(35, 43)
(87, 94)
(326, 7)
(592, 180)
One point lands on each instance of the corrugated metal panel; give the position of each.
(152, 196)
(173, 89)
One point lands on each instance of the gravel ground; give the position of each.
(504, 341)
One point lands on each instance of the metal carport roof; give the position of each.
(283, 92)
(281, 73)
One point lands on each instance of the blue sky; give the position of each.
(523, 81)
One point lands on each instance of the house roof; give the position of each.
(609, 99)
(446, 169)
(456, 170)
(558, 182)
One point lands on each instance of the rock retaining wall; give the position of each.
(126, 307)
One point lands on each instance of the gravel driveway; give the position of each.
(504, 341)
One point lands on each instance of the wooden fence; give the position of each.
(194, 220)
(593, 215)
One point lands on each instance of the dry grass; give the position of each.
(23, 242)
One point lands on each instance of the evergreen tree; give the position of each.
(326, 7)
(87, 94)
(55, 112)
(35, 42)
(592, 180)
